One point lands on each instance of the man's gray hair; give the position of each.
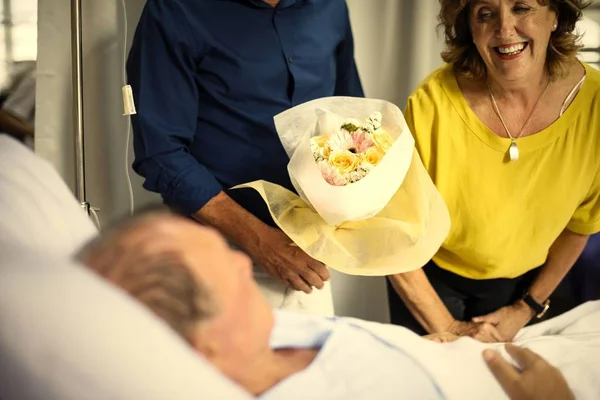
(160, 280)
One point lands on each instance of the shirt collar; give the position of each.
(282, 3)
(298, 330)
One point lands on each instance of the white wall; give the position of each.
(396, 47)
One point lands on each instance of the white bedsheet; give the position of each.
(570, 342)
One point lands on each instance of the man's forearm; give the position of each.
(232, 220)
(422, 300)
(563, 253)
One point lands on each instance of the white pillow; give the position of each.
(67, 334)
(37, 209)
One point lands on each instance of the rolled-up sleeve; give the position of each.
(161, 70)
(347, 77)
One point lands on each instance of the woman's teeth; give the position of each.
(511, 50)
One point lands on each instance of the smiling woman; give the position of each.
(456, 17)
(503, 129)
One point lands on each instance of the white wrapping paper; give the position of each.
(391, 221)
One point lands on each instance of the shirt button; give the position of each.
(290, 59)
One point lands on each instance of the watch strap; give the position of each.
(533, 304)
(539, 308)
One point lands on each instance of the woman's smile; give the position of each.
(510, 51)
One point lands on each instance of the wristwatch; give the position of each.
(539, 308)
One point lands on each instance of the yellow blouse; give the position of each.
(505, 215)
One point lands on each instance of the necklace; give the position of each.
(513, 150)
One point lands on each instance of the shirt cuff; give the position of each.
(584, 228)
(191, 192)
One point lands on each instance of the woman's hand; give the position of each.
(442, 337)
(508, 320)
(482, 331)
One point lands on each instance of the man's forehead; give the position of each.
(152, 226)
(176, 229)
(165, 222)
(192, 227)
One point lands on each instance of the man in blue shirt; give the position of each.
(208, 76)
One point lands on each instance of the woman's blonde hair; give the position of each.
(463, 55)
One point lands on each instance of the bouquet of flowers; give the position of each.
(365, 205)
(350, 153)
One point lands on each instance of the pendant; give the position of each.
(513, 151)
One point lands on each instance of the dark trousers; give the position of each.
(465, 298)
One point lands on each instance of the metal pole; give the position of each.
(77, 83)
(8, 25)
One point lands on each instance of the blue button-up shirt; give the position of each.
(208, 76)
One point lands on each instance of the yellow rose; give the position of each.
(320, 140)
(383, 140)
(373, 155)
(344, 161)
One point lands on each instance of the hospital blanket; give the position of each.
(570, 342)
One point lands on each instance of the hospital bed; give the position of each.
(66, 334)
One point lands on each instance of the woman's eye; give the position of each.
(484, 15)
(520, 9)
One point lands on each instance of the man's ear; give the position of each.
(203, 344)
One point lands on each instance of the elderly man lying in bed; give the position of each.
(189, 276)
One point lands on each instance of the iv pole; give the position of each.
(8, 25)
(77, 86)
